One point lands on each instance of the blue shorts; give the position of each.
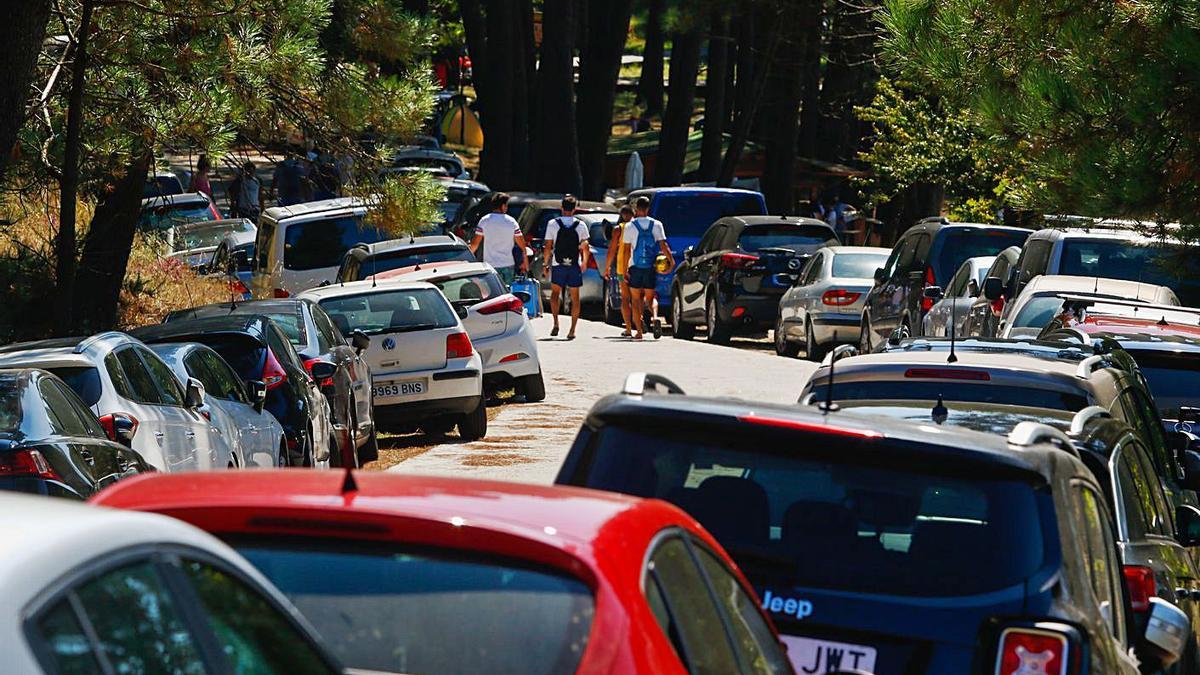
(642, 278)
(568, 276)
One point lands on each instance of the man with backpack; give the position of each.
(567, 243)
(644, 240)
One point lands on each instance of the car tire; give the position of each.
(783, 346)
(718, 332)
(369, 452)
(864, 336)
(680, 329)
(307, 450)
(533, 387)
(473, 425)
(438, 426)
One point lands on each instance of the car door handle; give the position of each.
(190, 434)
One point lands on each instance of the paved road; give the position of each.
(526, 442)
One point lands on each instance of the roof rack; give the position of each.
(934, 219)
(838, 353)
(1026, 434)
(1091, 363)
(1081, 418)
(636, 384)
(85, 344)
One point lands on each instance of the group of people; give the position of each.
(635, 247)
(297, 179)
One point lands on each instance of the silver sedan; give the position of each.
(954, 303)
(824, 305)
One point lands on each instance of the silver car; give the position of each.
(824, 306)
(954, 303)
(1039, 301)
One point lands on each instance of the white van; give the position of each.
(301, 246)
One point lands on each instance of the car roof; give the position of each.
(549, 204)
(457, 268)
(1146, 335)
(205, 224)
(248, 324)
(877, 250)
(416, 151)
(684, 190)
(65, 351)
(445, 266)
(1045, 284)
(172, 200)
(1122, 230)
(337, 205)
(778, 220)
(365, 286)
(940, 224)
(402, 243)
(464, 183)
(1065, 362)
(269, 306)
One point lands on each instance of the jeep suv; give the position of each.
(927, 255)
(875, 544)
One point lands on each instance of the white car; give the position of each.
(1038, 301)
(138, 593)
(496, 321)
(118, 377)
(426, 372)
(256, 437)
(194, 243)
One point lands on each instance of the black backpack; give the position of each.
(566, 244)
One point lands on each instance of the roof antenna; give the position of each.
(348, 482)
(940, 412)
(1163, 321)
(1096, 287)
(374, 268)
(829, 406)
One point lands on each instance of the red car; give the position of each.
(438, 575)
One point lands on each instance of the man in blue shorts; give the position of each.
(644, 239)
(567, 243)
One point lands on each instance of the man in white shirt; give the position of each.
(645, 240)
(567, 244)
(499, 235)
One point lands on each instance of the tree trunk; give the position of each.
(650, 82)
(555, 153)
(496, 96)
(64, 243)
(810, 107)
(18, 60)
(599, 66)
(715, 84)
(523, 94)
(850, 78)
(106, 250)
(681, 101)
(782, 118)
(758, 41)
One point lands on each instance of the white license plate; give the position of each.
(822, 656)
(395, 389)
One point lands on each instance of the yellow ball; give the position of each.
(662, 264)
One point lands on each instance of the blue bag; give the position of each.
(530, 292)
(646, 250)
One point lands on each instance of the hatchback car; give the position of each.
(823, 307)
(366, 260)
(195, 243)
(129, 387)
(927, 255)
(1040, 300)
(159, 183)
(159, 214)
(732, 280)
(234, 260)
(51, 444)
(907, 519)
(426, 372)
(438, 575)
(984, 314)
(93, 590)
(952, 305)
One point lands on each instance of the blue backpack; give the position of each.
(646, 250)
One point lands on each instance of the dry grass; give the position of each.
(155, 285)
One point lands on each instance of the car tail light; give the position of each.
(280, 293)
(504, 303)
(738, 261)
(930, 280)
(308, 365)
(216, 215)
(514, 357)
(799, 425)
(238, 287)
(738, 312)
(273, 374)
(948, 374)
(1031, 651)
(1139, 581)
(109, 423)
(26, 463)
(839, 297)
(458, 346)
(997, 307)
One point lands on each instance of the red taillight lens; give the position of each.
(273, 373)
(1027, 651)
(930, 280)
(948, 374)
(997, 307)
(926, 304)
(280, 293)
(25, 463)
(514, 357)
(1139, 581)
(738, 261)
(238, 287)
(504, 303)
(308, 365)
(799, 425)
(458, 346)
(839, 297)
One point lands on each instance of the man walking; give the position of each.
(567, 243)
(245, 193)
(644, 238)
(618, 265)
(499, 233)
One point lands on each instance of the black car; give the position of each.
(927, 255)
(317, 339)
(731, 281)
(895, 548)
(52, 444)
(264, 358)
(983, 319)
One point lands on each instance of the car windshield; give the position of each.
(757, 237)
(204, 236)
(391, 311)
(1174, 379)
(988, 418)
(291, 322)
(959, 244)
(84, 380)
(165, 217)
(450, 211)
(470, 289)
(691, 214)
(246, 355)
(410, 257)
(957, 390)
(383, 608)
(157, 186)
(794, 521)
(323, 243)
(857, 265)
(1174, 267)
(1038, 312)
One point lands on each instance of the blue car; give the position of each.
(686, 214)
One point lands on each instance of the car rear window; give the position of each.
(956, 390)
(1174, 379)
(384, 608)
(322, 243)
(691, 214)
(471, 289)
(10, 406)
(791, 521)
(166, 217)
(84, 380)
(1174, 267)
(392, 311)
(959, 244)
(1038, 312)
(157, 186)
(858, 265)
(386, 262)
(290, 322)
(756, 237)
(204, 236)
(246, 355)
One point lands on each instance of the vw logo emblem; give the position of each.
(389, 344)
(794, 264)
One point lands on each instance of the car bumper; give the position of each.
(836, 328)
(518, 346)
(750, 311)
(39, 486)
(400, 414)
(461, 378)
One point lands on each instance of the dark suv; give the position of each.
(876, 545)
(927, 255)
(731, 282)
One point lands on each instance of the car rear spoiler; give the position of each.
(637, 384)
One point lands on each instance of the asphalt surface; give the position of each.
(527, 441)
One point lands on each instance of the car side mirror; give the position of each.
(934, 293)
(880, 275)
(972, 289)
(120, 428)
(462, 311)
(194, 396)
(993, 288)
(1189, 461)
(1187, 525)
(360, 341)
(1166, 636)
(323, 370)
(258, 394)
(689, 252)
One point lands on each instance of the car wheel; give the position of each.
(307, 448)
(718, 332)
(369, 452)
(533, 387)
(680, 329)
(473, 425)
(812, 350)
(783, 346)
(439, 426)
